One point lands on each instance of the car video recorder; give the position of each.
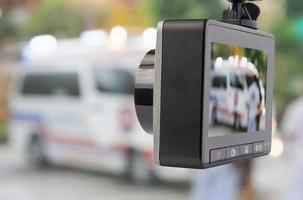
(206, 93)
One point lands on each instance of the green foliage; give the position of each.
(7, 28)
(163, 9)
(287, 39)
(288, 64)
(299, 28)
(257, 57)
(53, 17)
(294, 8)
(3, 131)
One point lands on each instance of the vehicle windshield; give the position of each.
(219, 82)
(117, 81)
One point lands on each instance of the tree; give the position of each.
(288, 64)
(294, 8)
(163, 9)
(53, 17)
(7, 29)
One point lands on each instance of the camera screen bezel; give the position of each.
(227, 34)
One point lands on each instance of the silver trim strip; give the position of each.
(145, 78)
(157, 94)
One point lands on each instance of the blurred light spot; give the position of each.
(274, 125)
(277, 147)
(236, 61)
(118, 35)
(94, 38)
(231, 60)
(1, 13)
(243, 62)
(218, 63)
(150, 36)
(42, 45)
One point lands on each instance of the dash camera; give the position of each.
(205, 92)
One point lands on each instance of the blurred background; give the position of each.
(68, 129)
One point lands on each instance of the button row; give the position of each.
(236, 151)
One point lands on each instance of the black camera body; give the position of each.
(205, 93)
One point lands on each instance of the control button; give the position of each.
(258, 147)
(246, 149)
(267, 146)
(232, 152)
(217, 155)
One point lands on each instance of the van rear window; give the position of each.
(66, 84)
(117, 81)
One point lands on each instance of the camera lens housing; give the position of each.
(144, 85)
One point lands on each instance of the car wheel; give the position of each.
(139, 170)
(237, 123)
(214, 119)
(36, 155)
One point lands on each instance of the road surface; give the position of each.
(20, 182)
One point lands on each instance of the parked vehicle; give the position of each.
(75, 108)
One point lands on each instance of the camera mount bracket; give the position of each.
(242, 14)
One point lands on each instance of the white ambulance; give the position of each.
(75, 107)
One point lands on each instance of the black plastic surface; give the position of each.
(181, 93)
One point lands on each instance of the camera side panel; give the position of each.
(181, 93)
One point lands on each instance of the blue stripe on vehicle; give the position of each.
(22, 116)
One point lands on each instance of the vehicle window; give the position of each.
(236, 81)
(114, 81)
(219, 82)
(51, 84)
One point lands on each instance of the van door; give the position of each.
(238, 99)
(56, 97)
(112, 113)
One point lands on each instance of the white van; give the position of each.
(229, 96)
(79, 112)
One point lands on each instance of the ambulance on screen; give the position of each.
(230, 96)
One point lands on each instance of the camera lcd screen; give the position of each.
(238, 90)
